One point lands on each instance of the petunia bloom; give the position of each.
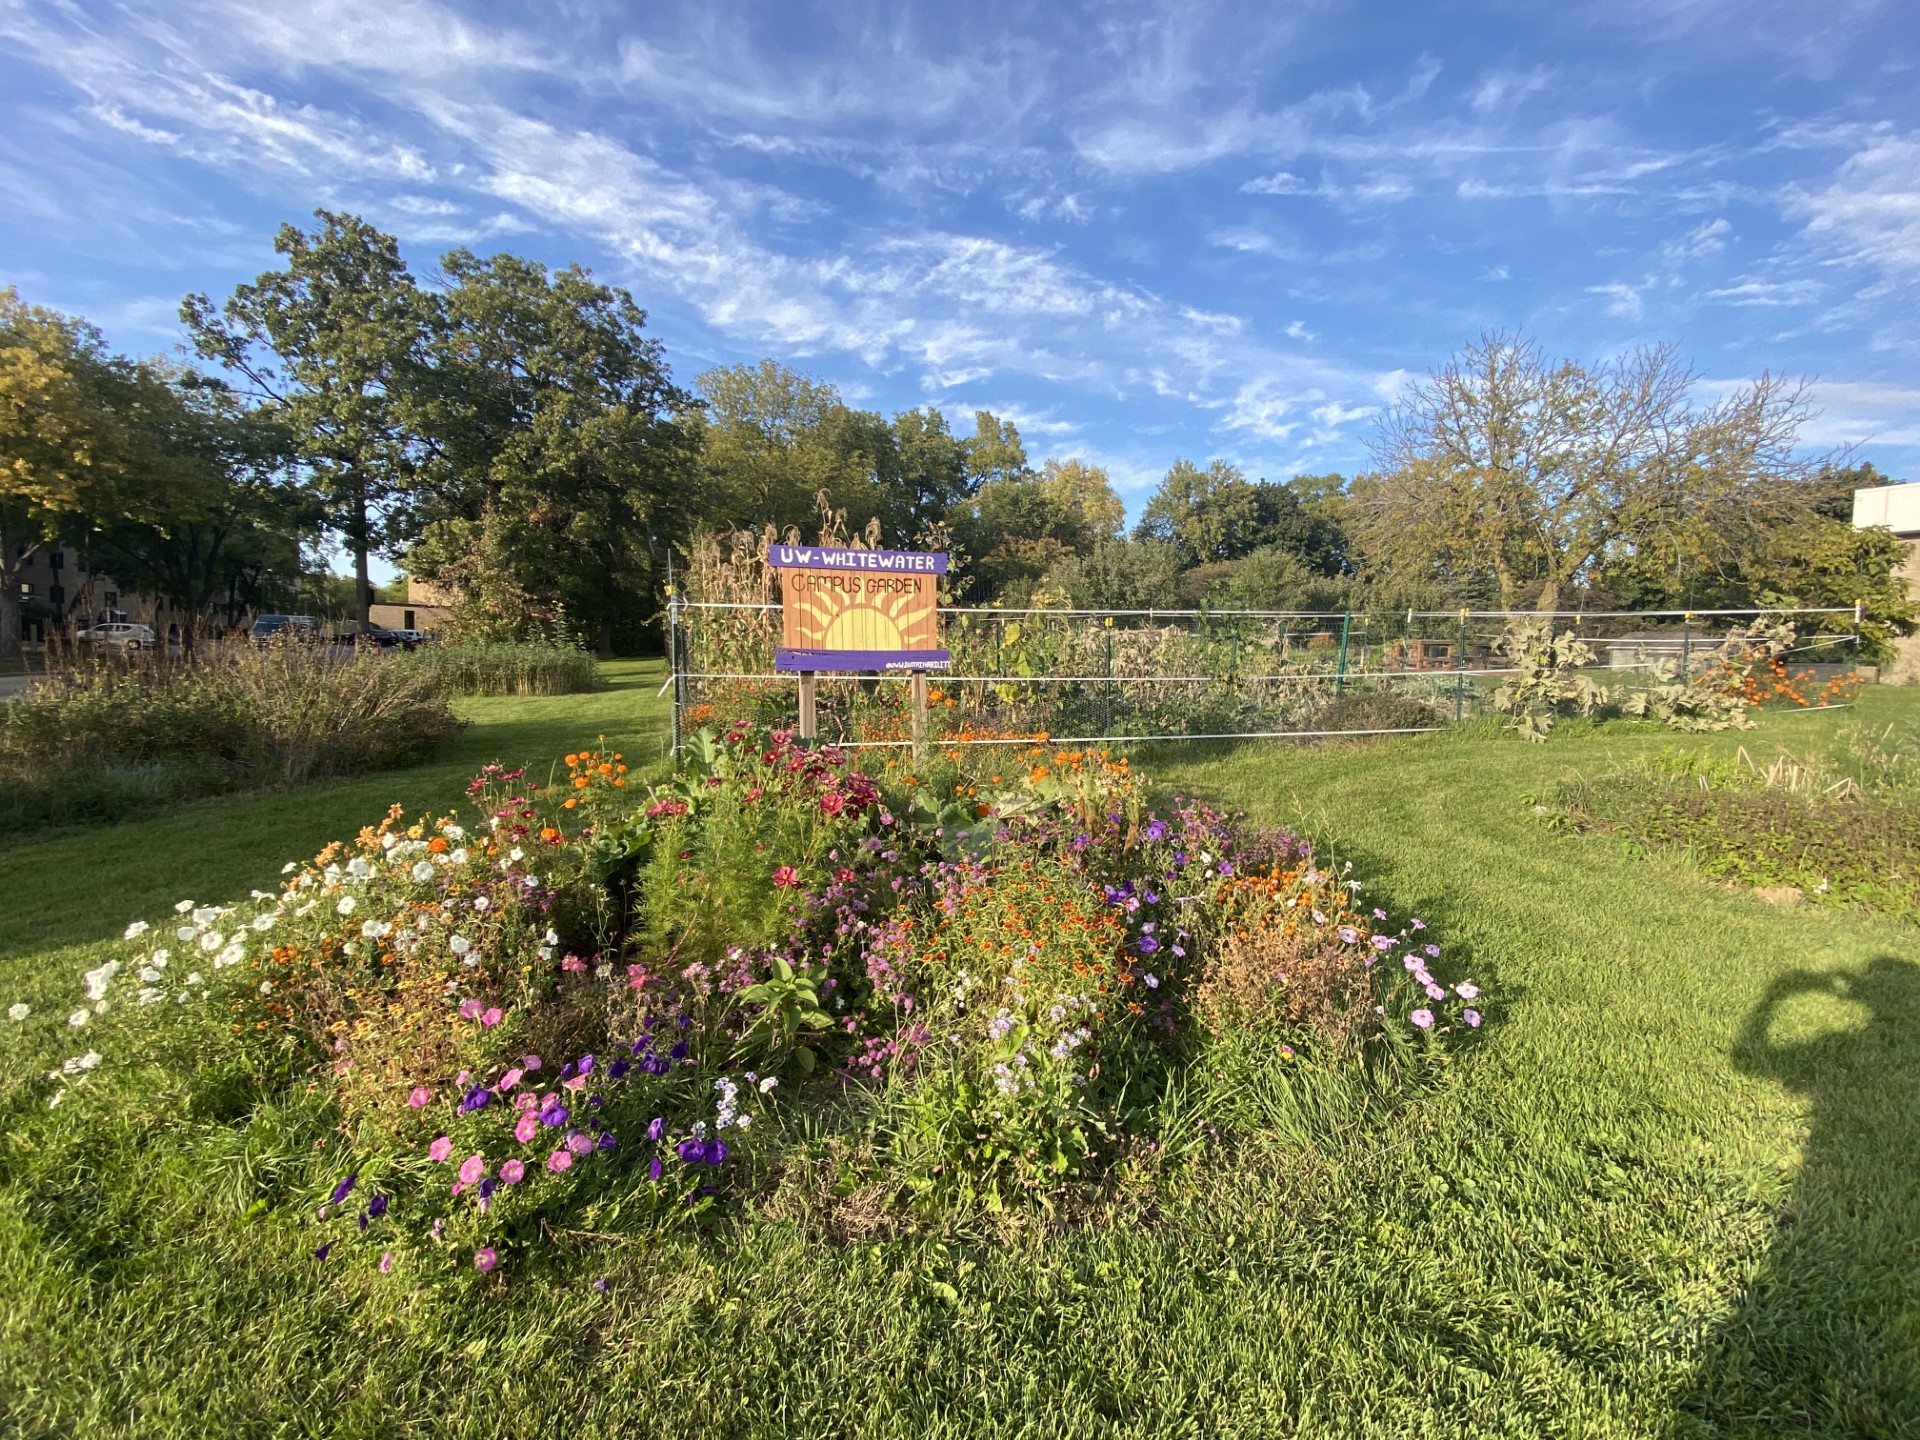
(513, 1172)
(485, 1258)
(419, 1096)
(560, 1162)
(1472, 1017)
(440, 1149)
(472, 1168)
(1423, 1018)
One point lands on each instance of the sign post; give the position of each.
(860, 610)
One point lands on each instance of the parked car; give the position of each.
(413, 639)
(356, 634)
(119, 635)
(306, 627)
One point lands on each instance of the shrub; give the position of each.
(506, 667)
(106, 737)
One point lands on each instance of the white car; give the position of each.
(120, 635)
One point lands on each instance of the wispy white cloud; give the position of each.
(1869, 214)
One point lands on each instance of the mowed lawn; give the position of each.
(1672, 1190)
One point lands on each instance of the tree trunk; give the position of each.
(9, 612)
(1549, 595)
(362, 582)
(606, 639)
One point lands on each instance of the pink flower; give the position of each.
(833, 802)
(559, 1162)
(579, 1144)
(529, 1062)
(528, 1127)
(440, 1149)
(637, 976)
(573, 965)
(473, 1169)
(1467, 992)
(386, 1261)
(419, 1096)
(575, 1083)
(509, 1080)
(1423, 1018)
(470, 1008)
(491, 1016)
(512, 1172)
(485, 1258)
(786, 876)
(1472, 1017)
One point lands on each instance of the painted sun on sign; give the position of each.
(858, 609)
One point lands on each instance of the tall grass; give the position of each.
(109, 738)
(528, 667)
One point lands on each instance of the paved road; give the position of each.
(12, 685)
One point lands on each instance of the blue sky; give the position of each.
(1142, 231)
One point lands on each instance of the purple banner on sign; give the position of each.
(885, 562)
(790, 660)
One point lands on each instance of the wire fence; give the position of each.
(1083, 677)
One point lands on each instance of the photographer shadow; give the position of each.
(1827, 1338)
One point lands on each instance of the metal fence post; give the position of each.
(1340, 677)
(1460, 670)
(1107, 689)
(1686, 648)
(673, 666)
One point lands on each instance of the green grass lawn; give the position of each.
(1672, 1191)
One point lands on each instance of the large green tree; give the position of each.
(79, 440)
(1507, 471)
(337, 343)
(557, 465)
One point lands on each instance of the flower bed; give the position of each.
(607, 1006)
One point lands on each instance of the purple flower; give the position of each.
(1155, 831)
(487, 1187)
(377, 1206)
(716, 1151)
(1472, 1017)
(320, 1252)
(485, 1258)
(340, 1191)
(553, 1115)
(679, 1051)
(1349, 934)
(1434, 992)
(586, 1065)
(1466, 991)
(656, 1127)
(691, 1151)
(654, 1170)
(1148, 944)
(1384, 942)
(1423, 1018)
(1433, 951)
(607, 1142)
(618, 1070)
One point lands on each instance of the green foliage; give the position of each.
(530, 667)
(99, 741)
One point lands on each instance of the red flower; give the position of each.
(786, 876)
(833, 802)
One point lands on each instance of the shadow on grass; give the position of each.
(1827, 1338)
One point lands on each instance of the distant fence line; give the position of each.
(1093, 676)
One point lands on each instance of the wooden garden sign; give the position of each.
(858, 610)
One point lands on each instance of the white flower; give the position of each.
(232, 955)
(181, 998)
(264, 923)
(148, 994)
(54, 1099)
(212, 941)
(742, 1122)
(359, 868)
(516, 853)
(306, 909)
(207, 914)
(266, 987)
(135, 930)
(454, 832)
(260, 894)
(78, 1018)
(459, 944)
(768, 1083)
(186, 933)
(481, 903)
(423, 870)
(552, 937)
(345, 907)
(332, 872)
(148, 974)
(159, 959)
(183, 907)
(18, 1011)
(289, 867)
(458, 857)
(98, 980)
(100, 1007)
(373, 929)
(193, 977)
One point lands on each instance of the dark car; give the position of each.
(305, 627)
